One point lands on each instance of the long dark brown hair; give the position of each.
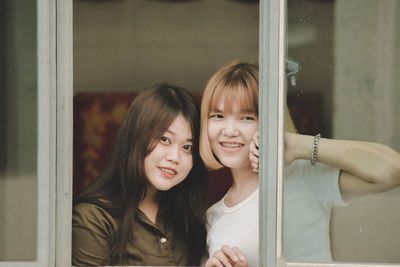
(123, 182)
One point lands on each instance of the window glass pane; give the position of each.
(347, 88)
(18, 138)
(126, 46)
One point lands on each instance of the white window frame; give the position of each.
(46, 142)
(64, 132)
(55, 111)
(54, 143)
(271, 130)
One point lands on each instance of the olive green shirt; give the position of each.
(94, 230)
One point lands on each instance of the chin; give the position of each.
(231, 165)
(164, 187)
(235, 162)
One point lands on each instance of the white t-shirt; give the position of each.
(309, 193)
(235, 226)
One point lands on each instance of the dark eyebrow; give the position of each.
(174, 134)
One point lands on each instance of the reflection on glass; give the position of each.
(18, 138)
(347, 89)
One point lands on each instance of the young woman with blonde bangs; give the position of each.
(229, 120)
(320, 174)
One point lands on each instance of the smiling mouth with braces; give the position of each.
(231, 145)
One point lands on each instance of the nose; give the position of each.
(230, 129)
(173, 154)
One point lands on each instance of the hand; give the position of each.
(227, 257)
(254, 152)
(290, 150)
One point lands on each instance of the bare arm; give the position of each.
(366, 167)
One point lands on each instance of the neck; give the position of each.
(245, 182)
(244, 178)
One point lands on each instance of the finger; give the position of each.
(213, 262)
(222, 258)
(230, 253)
(254, 166)
(253, 149)
(239, 254)
(254, 158)
(256, 138)
(254, 161)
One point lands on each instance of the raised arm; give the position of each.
(366, 167)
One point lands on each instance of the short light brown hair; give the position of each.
(237, 81)
(289, 124)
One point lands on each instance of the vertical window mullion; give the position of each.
(271, 130)
(46, 131)
(64, 131)
(46, 137)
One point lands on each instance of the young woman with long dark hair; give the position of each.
(148, 205)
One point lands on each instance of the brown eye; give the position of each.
(187, 147)
(248, 118)
(164, 140)
(216, 116)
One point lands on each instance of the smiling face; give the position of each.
(230, 132)
(171, 160)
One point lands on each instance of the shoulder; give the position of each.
(302, 168)
(215, 207)
(215, 211)
(88, 209)
(295, 168)
(93, 233)
(91, 215)
(321, 181)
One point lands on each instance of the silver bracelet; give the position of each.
(314, 155)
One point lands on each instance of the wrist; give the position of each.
(304, 146)
(314, 154)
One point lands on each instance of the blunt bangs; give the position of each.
(232, 95)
